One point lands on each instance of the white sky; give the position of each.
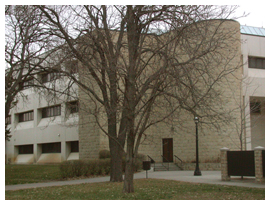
(257, 9)
(257, 14)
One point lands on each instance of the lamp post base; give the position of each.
(197, 172)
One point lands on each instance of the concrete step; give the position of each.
(165, 166)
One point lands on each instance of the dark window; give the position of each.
(254, 62)
(74, 146)
(26, 149)
(51, 147)
(48, 77)
(27, 83)
(8, 120)
(73, 106)
(26, 116)
(51, 111)
(72, 66)
(255, 107)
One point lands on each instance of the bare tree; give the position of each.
(254, 105)
(26, 48)
(136, 59)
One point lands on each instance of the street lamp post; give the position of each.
(197, 171)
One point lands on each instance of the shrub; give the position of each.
(90, 167)
(104, 154)
(74, 168)
(79, 168)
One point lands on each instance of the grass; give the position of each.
(145, 189)
(22, 174)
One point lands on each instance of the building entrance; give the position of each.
(167, 145)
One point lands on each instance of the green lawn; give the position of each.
(22, 174)
(145, 189)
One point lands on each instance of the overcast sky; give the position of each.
(257, 16)
(257, 8)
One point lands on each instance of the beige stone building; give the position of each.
(45, 132)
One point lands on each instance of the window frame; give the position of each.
(49, 77)
(74, 146)
(26, 116)
(256, 62)
(26, 149)
(48, 148)
(255, 107)
(73, 106)
(51, 111)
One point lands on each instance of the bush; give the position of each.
(77, 168)
(104, 154)
(74, 168)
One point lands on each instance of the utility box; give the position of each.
(146, 165)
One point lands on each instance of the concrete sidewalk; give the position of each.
(209, 177)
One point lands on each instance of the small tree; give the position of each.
(246, 107)
(25, 41)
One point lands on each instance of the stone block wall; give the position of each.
(224, 164)
(88, 138)
(184, 141)
(258, 164)
(183, 132)
(210, 139)
(202, 166)
(89, 131)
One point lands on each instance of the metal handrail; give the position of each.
(151, 159)
(167, 161)
(179, 160)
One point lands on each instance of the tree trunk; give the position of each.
(129, 169)
(116, 151)
(116, 162)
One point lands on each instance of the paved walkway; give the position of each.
(209, 177)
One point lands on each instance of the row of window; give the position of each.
(72, 68)
(46, 77)
(48, 148)
(51, 111)
(46, 112)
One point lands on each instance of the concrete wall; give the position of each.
(253, 87)
(257, 123)
(40, 131)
